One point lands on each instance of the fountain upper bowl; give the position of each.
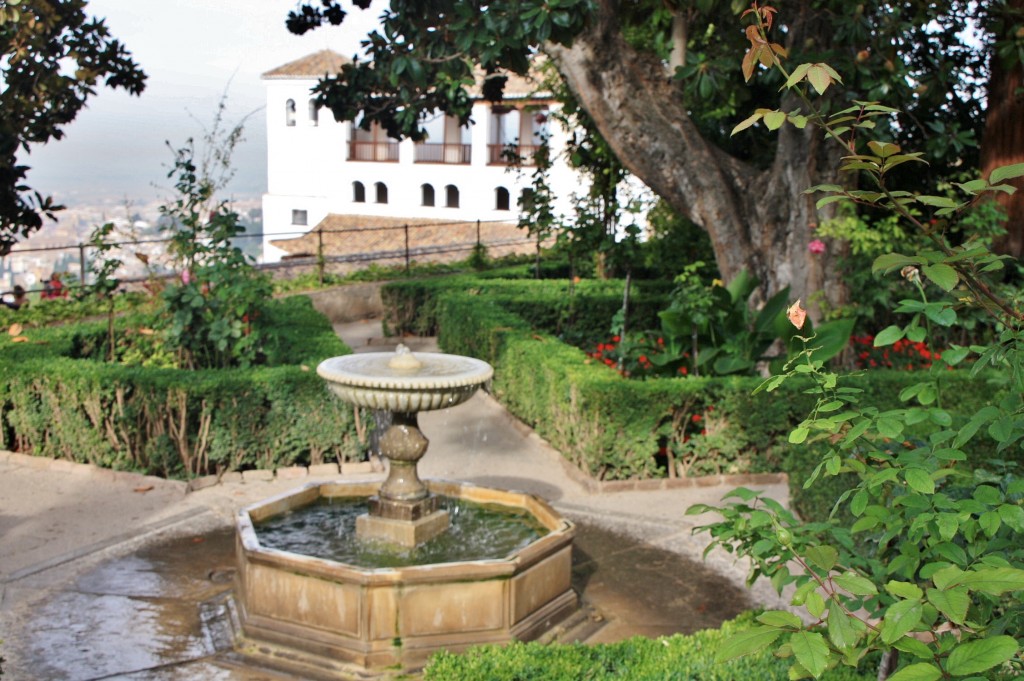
(371, 380)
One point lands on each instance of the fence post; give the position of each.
(406, 249)
(320, 256)
(81, 263)
(478, 234)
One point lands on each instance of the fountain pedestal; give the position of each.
(403, 512)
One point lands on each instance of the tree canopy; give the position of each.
(662, 83)
(53, 56)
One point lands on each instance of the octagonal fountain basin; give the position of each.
(372, 607)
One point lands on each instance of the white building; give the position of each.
(317, 166)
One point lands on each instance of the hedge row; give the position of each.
(672, 658)
(612, 427)
(580, 312)
(172, 422)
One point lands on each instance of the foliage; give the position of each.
(172, 422)
(712, 330)
(672, 658)
(45, 312)
(53, 57)
(931, 566)
(672, 243)
(215, 312)
(610, 427)
(422, 59)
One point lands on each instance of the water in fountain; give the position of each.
(328, 530)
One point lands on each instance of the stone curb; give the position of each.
(324, 470)
(610, 486)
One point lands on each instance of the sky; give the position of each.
(192, 51)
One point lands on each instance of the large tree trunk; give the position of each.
(1003, 141)
(759, 220)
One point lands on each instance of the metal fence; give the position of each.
(340, 250)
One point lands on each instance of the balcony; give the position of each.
(500, 154)
(459, 154)
(381, 152)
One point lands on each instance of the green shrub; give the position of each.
(172, 422)
(672, 658)
(611, 427)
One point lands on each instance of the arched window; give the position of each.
(382, 192)
(358, 192)
(451, 196)
(289, 113)
(314, 113)
(501, 199)
(428, 195)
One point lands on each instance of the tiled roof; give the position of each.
(361, 234)
(315, 65)
(324, 62)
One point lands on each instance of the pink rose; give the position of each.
(816, 246)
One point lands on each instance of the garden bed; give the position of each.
(177, 423)
(611, 428)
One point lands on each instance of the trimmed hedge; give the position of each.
(612, 427)
(172, 422)
(671, 658)
(580, 312)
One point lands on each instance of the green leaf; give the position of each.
(990, 522)
(855, 584)
(994, 581)
(798, 435)
(747, 122)
(1006, 173)
(893, 261)
(919, 480)
(900, 618)
(948, 525)
(773, 120)
(938, 201)
(815, 604)
(841, 628)
(797, 75)
(746, 642)
(947, 577)
(811, 651)
(904, 590)
(1012, 516)
(944, 276)
(888, 336)
(977, 656)
(819, 78)
(883, 149)
(824, 557)
(953, 603)
(911, 645)
(780, 619)
(922, 671)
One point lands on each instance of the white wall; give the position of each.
(307, 169)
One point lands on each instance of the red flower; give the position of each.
(643, 359)
(696, 418)
(616, 339)
(683, 370)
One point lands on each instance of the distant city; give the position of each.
(62, 246)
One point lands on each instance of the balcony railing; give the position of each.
(504, 154)
(427, 152)
(383, 152)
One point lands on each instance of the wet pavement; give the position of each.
(114, 576)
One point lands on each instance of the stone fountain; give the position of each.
(325, 616)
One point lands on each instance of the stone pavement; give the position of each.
(102, 574)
